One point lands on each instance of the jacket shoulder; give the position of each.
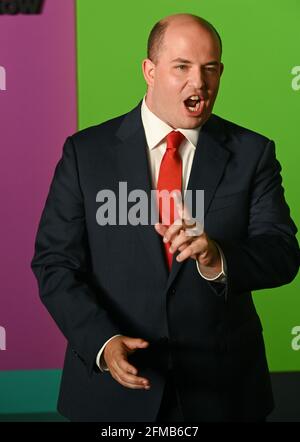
(240, 133)
(103, 132)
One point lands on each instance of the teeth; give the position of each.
(194, 97)
(196, 108)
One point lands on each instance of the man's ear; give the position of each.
(148, 71)
(221, 69)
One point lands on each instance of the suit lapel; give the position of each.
(208, 166)
(134, 169)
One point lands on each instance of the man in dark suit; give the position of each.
(166, 330)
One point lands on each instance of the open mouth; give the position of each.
(193, 103)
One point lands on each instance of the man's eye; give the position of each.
(181, 67)
(211, 68)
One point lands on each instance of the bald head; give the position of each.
(157, 34)
(183, 70)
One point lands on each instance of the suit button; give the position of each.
(173, 290)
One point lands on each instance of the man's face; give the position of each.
(183, 84)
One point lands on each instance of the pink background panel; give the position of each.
(37, 113)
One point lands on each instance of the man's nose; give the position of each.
(197, 79)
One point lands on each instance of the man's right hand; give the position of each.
(115, 356)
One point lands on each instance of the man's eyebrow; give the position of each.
(215, 63)
(181, 60)
(185, 61)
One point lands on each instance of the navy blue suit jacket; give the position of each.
(97, 281)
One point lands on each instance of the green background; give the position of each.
(261, 46)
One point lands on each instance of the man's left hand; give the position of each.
(198, 247)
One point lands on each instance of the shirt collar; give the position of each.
(156, 129)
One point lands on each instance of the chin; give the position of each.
(191, 123)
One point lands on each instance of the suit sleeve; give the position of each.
(269, 255)
(61, 264)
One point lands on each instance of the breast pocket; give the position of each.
(223, 201)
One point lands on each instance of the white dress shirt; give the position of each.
(156, 131)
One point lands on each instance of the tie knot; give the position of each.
(174, 139)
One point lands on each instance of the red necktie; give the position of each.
(170, 179)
